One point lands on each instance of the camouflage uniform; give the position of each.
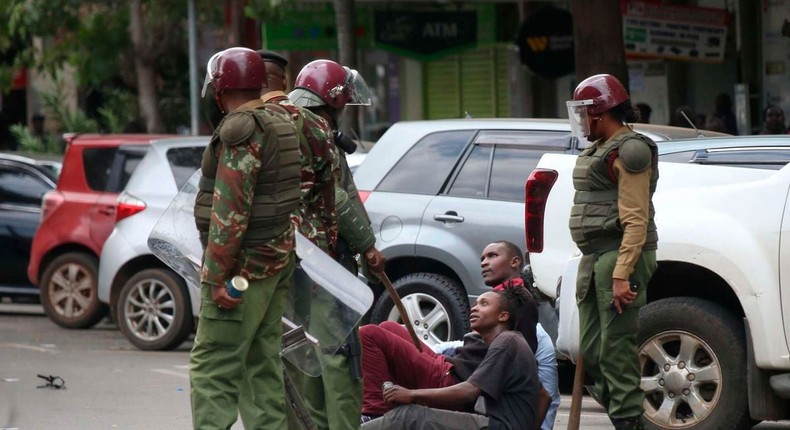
(316, 217)
(335, 399)
(243, 343)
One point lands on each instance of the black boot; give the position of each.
(634, 423)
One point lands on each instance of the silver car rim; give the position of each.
(681, 378)
(428, 317)
(149, 310)
(70, 290)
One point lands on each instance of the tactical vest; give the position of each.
(296, 114)
(595, 221)
(277, 188)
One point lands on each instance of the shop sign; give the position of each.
(545, 42)
(311, 27)
(680, 32)
(425, 35)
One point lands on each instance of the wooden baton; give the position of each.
(575, 412)
(401, 310)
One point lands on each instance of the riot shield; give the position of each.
(324, 307)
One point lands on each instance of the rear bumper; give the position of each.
(568, 327)
(116, 253)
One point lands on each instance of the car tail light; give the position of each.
(50, 202)
(128, 205)
(363, 195)
(537, 193)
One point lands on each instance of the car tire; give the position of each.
(69, 291)
(692, 352)
(154, 310)
(436, 305)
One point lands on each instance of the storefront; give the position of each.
(776, 55)
(423, 61)
(507, 59)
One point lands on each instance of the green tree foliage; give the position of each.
(92, 36)
(86, 35)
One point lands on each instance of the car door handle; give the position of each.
(449, 216)
(107, 210)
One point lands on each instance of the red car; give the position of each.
(77, 217)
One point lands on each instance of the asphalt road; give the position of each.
(112, 385)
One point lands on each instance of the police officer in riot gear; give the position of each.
(326, 88)
(242, 211)
(612, 223)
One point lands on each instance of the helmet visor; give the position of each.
(577, 115)
(359, 92)
(211, 69)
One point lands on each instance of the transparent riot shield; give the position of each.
(326, 302)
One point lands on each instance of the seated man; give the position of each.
(507, 378)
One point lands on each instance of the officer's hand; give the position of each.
(398, 394)
(220, 296)
(621, 294)
(375, 259)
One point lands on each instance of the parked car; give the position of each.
(23, 182)
(152, 304)
(76, 219)
(438, 191)
(551, 244)
(713, 348)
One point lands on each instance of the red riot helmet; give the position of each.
(325, 82)
(235, 69)
(593, 96)
(604, 90)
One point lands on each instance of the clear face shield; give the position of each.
(358, 90)
(211, 68)
(579, 120)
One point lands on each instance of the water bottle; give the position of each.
(236, 286)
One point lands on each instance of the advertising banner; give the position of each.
(425, 35)
(679, 32)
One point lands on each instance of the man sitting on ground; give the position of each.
(507, 378)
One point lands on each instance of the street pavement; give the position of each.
(112, 385)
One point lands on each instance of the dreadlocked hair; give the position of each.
(514, 302)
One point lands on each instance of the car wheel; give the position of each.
(154, 311)
(692, 356)
(69, 291)
(435, 304)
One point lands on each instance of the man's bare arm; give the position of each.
(456, 395)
